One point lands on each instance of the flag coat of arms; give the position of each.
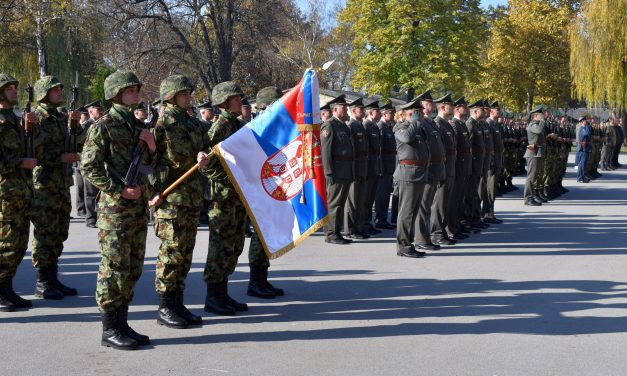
(274, 164)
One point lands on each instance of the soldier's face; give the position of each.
(325, 115)
(10, 94)
(183, 99)
(235, 104)
(447, 109)
(388, 116)
(495, 112)
(246, 112)
(375, 114)
(206, 114)
(55, 95)
(130, 96)
(358, 112)
(340, 111)
(95, 113)
(141, 115)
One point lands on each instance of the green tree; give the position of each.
(598, 58)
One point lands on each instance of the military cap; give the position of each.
(460, 102)
(206, 105)
(44, 84)
(95, 104)
(445, 99)
(6, 79)
(485, 103)
(141, 106)
(581, 118)
(495, 104)
(245, 102)
(340, 99)
(477, 104)
(412, 105)
(359, 102)
(174, 84)
(224, 90)
(387, 107)
(267, 96)
(426, 96)
(117, 81)
(82, 110)
(372, 105)
(537, 110)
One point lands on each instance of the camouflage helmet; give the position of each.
(222, 91)
(267, 96)
(5, 80)
(117, 81)
(174, 84)
(43, 85)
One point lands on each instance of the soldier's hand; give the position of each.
(70, 157)
(32, 118)
(156, 201)
(131, 193)
(148, 138)
(74, 115)
(202, 159)
(330, 179)
(28, 163)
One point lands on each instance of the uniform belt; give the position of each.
(341, 158)
(412, 162)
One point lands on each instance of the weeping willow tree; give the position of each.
(598, 57)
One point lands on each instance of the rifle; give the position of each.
(73, 124)
(28, 128)
(135, 168)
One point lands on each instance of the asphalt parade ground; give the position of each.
(544, 293)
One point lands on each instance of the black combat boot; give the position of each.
(65, 290)
(44, 288)
(277, 291)
(6, 305)
(510, 186)
(237, 306)
(257, 285)
(167, 313)
(141, 339)
(113, 335)
(17, 300)
(183, 311)
(216, 302)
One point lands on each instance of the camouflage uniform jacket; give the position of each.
(179, 138)
(15, 183)
(220, 188)
(51, 172)
(106, 157)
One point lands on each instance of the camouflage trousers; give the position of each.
(176, 226)
(257, 257)
(14, 231)
(227, 225)
(51, 223)
(122, 246)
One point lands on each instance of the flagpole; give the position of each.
(183, 177)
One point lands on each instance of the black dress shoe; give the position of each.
(358, 236)
(532, 202)
(385, 226)
(411, 253)
(443, 241)
(429, 247)
(90, 225)
(340, 241)
(458, 236)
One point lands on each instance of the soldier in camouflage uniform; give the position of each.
(16, 193)
(179, 139)
(258, 260)
(122, 209)
(52, 181)
(227, 214)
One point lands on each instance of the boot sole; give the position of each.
(179, 326)
(7, 309)
(125, 348)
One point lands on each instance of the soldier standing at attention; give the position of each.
(338, 155)
(435, 176)
(494, 173)
(488, 161)
(584, 148)
(388, 165)
(227, 215)
(374, 164)
(325, 113)
(534, 155)
(16, 193)
(477, 144)
(122, 209)
(463, 167)
(206, 114)
(52, 203)
(95, 112)
(411, 175)
(442, 200)
(179, 138)
(353, 217)
(258, 260)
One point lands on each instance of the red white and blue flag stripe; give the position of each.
(274, 163)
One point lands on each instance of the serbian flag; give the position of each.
(274, 163)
